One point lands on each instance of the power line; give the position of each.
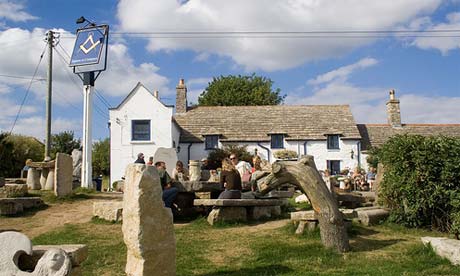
(27, 91)
(21, 77)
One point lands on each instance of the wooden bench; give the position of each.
(232, 210)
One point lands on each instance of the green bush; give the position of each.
(422, 181)
(285, 154)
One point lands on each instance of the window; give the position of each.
(333, 142)
(140, 130)
(277, 141)
(211, 141)
(333, 166)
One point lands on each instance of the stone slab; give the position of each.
(227, 214)
(13, 206)
(372, 216)
(13, 190)
(63, 175)
(78, 253)
(108, 210)
(238, 202)
(303, 215)
(444, 247)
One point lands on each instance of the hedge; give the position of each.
(421, 184)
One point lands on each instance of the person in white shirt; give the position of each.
(243, 167)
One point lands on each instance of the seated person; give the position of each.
(180, 173)
(230, 180)
(169, 192)
(243, 167)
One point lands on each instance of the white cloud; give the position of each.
(269, 54)
(14, 12)
(368, 104)
(342, 73)
(35, 126)
(443, 44)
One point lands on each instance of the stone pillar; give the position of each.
(393, 111)
(33, 179)
(43, 177)
(181, 97)
(148, 229)
(63, 176)
(49, 186)
(194, 170)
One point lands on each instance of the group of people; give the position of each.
(234, 172)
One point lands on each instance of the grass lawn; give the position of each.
(259, 250)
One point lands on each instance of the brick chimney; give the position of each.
(393, 111)
(181, 97)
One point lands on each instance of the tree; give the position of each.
(101, 157)
(64, 142)
(305, 176)
(240, 90)
(15, 150)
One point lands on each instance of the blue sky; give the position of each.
(423, 69)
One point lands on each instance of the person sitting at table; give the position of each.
(169, 192)
(230, 180)
(180, 173)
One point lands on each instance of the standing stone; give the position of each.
(148, 230)
(63, 175)
(49, 186)
(378, 180)
(33, 179)
(43, 177)
(167, 155)
(194, 170)
(76, 165)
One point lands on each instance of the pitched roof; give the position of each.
(131, 94)
(255, 123)
(374, 135)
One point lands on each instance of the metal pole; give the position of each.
(50, 37)
(86, 169)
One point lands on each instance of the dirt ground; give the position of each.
(34, 223)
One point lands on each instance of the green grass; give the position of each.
(242, 250)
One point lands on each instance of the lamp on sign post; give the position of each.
(89, 59)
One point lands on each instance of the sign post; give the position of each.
(88, 57)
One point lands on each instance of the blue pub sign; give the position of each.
(88, 46)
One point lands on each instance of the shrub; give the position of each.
(15, 150)
(422, 181)
(285, 154)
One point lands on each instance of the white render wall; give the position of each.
(316, 148)
(142, 105)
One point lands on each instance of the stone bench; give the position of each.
(13, 206)
(108, 210)
(231, 210)
(309, 219)
(77, 253)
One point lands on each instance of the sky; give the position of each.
(317, 52)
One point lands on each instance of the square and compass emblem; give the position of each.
(88, 46)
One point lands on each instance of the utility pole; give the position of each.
(52, 41)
